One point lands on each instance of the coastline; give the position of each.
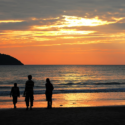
(110, 115)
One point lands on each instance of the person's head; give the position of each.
(15, 84)
(29, 77)
(47, 80)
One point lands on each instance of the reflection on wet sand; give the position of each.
(69, 100)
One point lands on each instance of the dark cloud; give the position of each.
(14, 26)
(18, 9)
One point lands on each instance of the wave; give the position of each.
(94, 83)
(6, 93)
(89, 90)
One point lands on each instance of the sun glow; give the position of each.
(79, 21)
(74, 21)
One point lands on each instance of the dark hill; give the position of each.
(9, 60)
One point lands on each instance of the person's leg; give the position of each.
(47, 99)
(50, 101)
(31, 101)
(48, 104)
(27, 101)
(14, 101)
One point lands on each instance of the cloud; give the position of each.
(80, 22)
(21, 9)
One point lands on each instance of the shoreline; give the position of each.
(110, 115)
(92, 107)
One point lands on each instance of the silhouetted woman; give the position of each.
(49, 89)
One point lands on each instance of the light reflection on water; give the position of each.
(63, 73)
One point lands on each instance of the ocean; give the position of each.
(74, 85)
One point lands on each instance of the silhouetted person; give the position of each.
(15, 93)
(48, 92)
(29, 92)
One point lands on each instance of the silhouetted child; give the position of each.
(29, 92)
(49, 89)
(15, 93)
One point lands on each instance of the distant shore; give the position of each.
(110, 115)
(9, 60)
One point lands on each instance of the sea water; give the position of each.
(74, 85)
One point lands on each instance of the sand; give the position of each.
(64, 116)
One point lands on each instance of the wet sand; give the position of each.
(114, 115)
(69, 100)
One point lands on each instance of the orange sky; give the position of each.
(87, 32)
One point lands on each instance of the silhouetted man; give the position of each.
(29, 92)
(15, 93)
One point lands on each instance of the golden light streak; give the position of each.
(69, 37)
(87, 42)
(73, 21)
(58, 33)
(49, 45)
(10, 21)
(118, 19)
(78, 21)
(118, 35)
(46, 33)
(80, 37)
(41, 39)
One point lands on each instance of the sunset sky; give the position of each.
(63, 31)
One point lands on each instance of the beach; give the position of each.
(108, 115)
